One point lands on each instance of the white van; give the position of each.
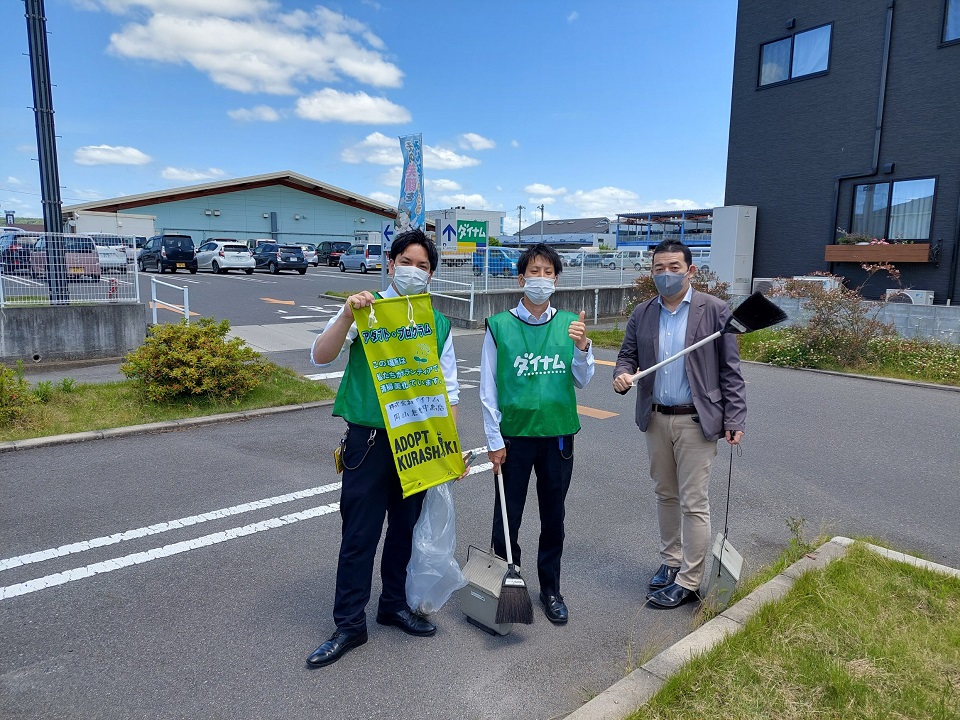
(636, 259)
(701, 257)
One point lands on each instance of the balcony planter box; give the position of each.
(894, 253)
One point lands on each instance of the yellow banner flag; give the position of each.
(401, 344)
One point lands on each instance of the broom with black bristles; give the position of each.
(754, 313)
(514, 605)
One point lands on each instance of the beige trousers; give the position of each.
(680, 461)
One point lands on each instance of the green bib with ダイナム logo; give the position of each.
(535, 389)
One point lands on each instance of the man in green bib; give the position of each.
(533, 358)
(371, 487)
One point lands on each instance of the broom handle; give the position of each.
(503, 515)
(653, 368)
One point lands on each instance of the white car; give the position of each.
(221, 256)
(310, 253)
(112, 259)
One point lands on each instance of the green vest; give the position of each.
(357, 397)
(535, 389)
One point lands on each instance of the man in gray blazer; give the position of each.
(683, 410)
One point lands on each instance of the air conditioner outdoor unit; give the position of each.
(827, 283)
(910, 297)
(764, 285)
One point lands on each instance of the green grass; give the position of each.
(864, 637)
(338, 293)
(108, 405)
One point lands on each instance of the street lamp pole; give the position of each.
(540, 208)
(520, 209)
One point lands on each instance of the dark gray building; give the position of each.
(847, 115)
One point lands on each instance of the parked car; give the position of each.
(329, 252)
(591, 259)
(310, 253)
(79, 256)
(701, 257)
(637, 259)
(168, 252)
(15, 252)
(361, 257)
(116, 242)
(225, 254)
(502, 261)
(570, 259)
(274, 257)
(112, 259)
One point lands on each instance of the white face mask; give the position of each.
(410, 280)
(538, 289)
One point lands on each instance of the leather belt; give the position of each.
(675, 409)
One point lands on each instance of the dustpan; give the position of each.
(479, 598)
(727, 562)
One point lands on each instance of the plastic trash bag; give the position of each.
(433, 574)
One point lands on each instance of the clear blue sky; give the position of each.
(590, 108)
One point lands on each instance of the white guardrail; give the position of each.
(180, 310)
(468, 299)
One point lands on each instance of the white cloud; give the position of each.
(375, 148)
(392, 177)
(11, 180)
(191, 175)
(515, 143)
(438, 185)
(378, 149)
(573, 17)
(472, 141)
(675, 204)
(109, 155)
(475, 201)
(605, 201)
(248, 47)
(83, 193)
(261, 113)
(541, 189)
(541, 201)
(329, 105)
(441, 159)
(385, 198)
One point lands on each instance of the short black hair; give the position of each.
(415, 237)
(539, 250)
(673, 246)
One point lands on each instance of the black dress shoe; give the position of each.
(336, 647)
(409, 622)
(555, 609)
(672, 596)
(665, 576)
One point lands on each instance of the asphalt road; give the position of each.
(221, 630)
(290, 297)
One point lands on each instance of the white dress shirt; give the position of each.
(581, 368)
(448, 360)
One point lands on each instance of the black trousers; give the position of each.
(553, 465)
(370, 492)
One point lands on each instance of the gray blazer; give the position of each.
(713, 370)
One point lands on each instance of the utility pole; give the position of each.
(520, 209)
(540, 208)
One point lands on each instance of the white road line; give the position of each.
(138, 558)
(76, 547)
(106, 566)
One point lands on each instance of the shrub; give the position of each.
(44, 391)
(193, 361)
(15, 394)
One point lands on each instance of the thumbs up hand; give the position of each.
(578, 333)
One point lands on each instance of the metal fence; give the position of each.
(67, 269)
(495, 268)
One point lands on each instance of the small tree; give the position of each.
(493, 242)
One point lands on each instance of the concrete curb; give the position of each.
(631, 693)
(875, 378)
(166, 426)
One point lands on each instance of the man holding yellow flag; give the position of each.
(371, 457)
(532, 359)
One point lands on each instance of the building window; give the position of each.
(798, 56)
(900, 210)
(951, 21)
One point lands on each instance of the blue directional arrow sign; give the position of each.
(449, 233)
(387, 233)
